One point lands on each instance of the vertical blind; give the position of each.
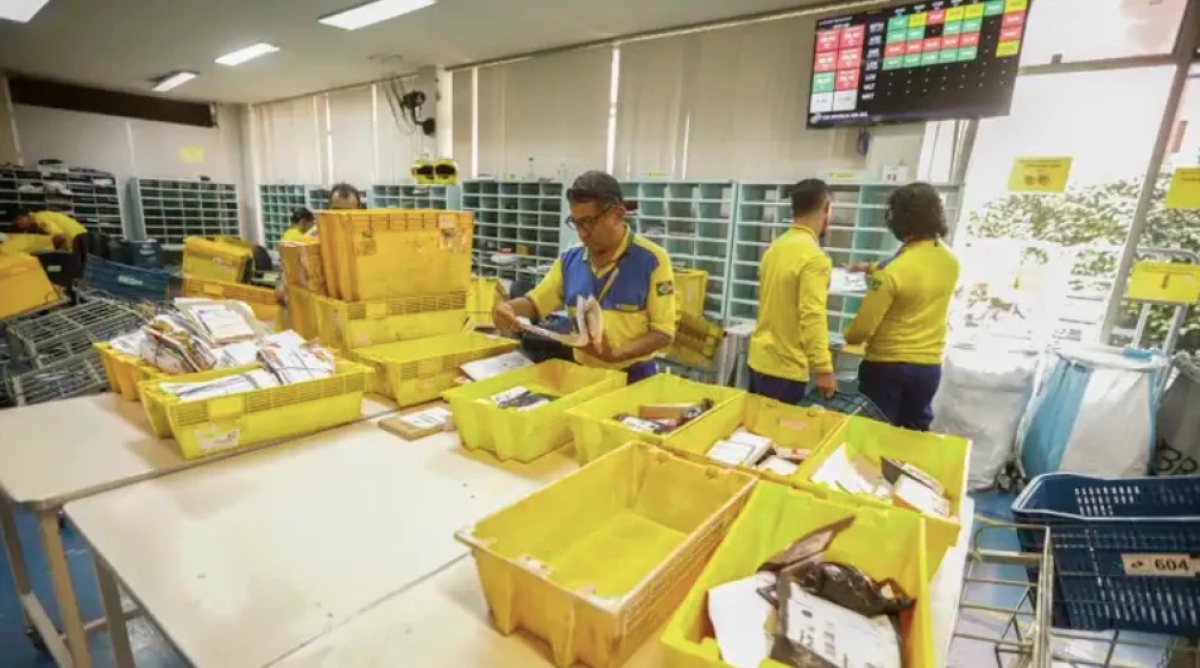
(463, 109)
(290, 141)
(352, 127)
(398, 143)
(545, 116)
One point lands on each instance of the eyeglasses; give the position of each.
(588, 222)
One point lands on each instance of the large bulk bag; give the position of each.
(1179, 421)
(983, 396)
(1093, 413)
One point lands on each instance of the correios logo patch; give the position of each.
(665, 288)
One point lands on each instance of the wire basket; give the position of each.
(71, 331)
(67, 377)
(850, 403)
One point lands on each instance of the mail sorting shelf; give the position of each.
(276, 202)
(89, 196)
(169, 211)
(858, 233)
(523, 218)
(415, 196)
(693, 222)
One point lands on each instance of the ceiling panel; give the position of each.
(121, 44)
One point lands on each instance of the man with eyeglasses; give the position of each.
(630, 276)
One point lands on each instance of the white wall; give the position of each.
(130, 147)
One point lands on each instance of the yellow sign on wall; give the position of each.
(191, 154)
(1184, 192)
(1040, 175)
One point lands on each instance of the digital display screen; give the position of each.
(931, 60)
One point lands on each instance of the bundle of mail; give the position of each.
(588, 321)
(804, 610)
(198, 335)
(744, 448)
(889, 480)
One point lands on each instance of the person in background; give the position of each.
(59, 226)
(302, 225)
(630, 276)
(344, 196)
(902, 319)
(790, 343)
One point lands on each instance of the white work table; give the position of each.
(56, 452)
(443, 621)
(242, 561)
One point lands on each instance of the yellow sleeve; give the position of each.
(660, 303)
(293, 234)
(814, 318)
(881, 290)
(547, 297)
(47, 225)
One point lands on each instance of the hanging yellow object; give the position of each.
(1164, 282)
(445, 172)
(422, 171)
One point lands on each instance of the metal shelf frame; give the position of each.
(169, 210)
(524, 217)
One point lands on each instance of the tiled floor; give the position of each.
(152, 651)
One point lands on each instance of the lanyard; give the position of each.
(612, 278)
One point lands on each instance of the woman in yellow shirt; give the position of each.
(302, 225)
(902, 319)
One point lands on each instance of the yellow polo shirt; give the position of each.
(903, 317)
(791, 337)
(293, 233)
(54, 223)
(636, 292)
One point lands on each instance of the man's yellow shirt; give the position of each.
(791, 336)
(54, 223)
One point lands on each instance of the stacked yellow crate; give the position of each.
(389, 287)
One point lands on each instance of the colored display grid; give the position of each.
(1012, 28)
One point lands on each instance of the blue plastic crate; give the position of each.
(849, 403)
(147, 254)
(123, 281)
(1126, 551)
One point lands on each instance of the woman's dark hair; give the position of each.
(915, 212)
(302, 215)
(345, 191)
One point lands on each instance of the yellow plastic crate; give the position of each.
(263, 301)
(773, 518)
(382, 253)
(208, 426)
(596, 432)
(941, 456)
(17, 242)
(124, 372)
(352, 325)
(218, 261)
(485, 293)
(804, 427)
(697, 341)
(302, 265)
(154, 401)
(413, 372)
(24, 285)
(526, 435)
(302, 313)
(595, 562)
(691, 288)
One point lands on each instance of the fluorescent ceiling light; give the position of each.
(249, 53)
(173, 80)
(373, 12)
(21, 10)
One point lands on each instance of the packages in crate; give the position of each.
(24, 285)
(215, 260)
(263, 301)
(943, 457)
(697, 341)
(482, 299)
(691, 289)
(302, 313)
(413, 372)
(154, 402)
(595, 562)
(208, 426)
(381, 253)
(885, 544)
(125, 281)
(788, 426)
(1126, 550)
(596, 433)
(526, 435)
(302, 265)
(352, 325)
